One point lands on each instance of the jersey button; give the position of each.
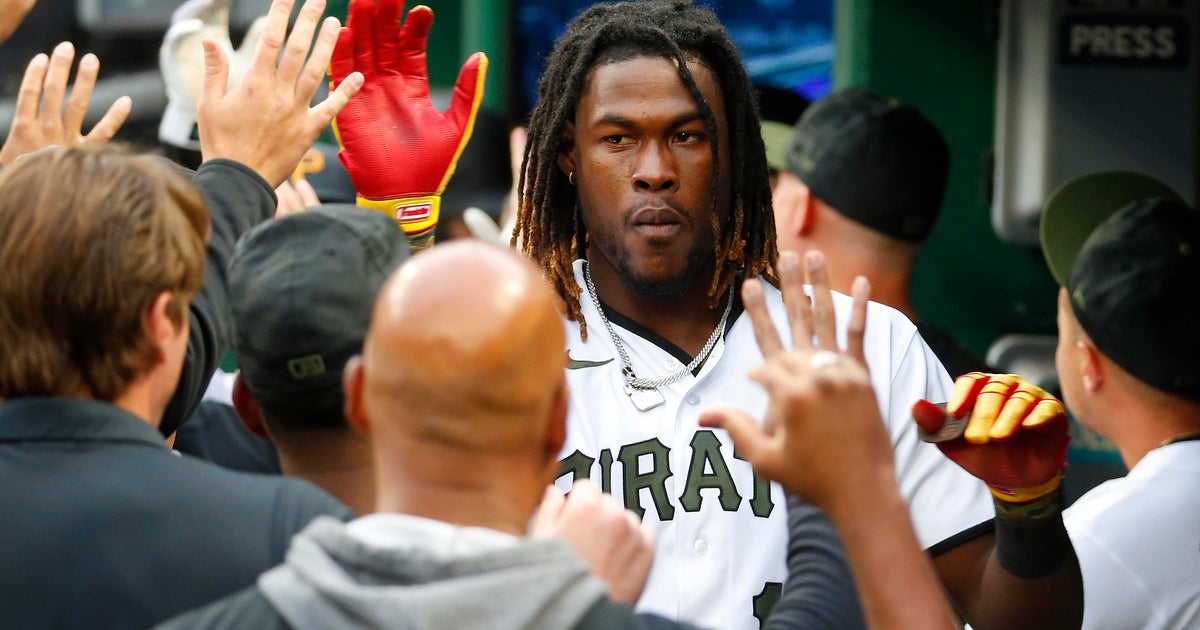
(693, 400)
(701, 547)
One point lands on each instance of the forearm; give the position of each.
(237, 199)
(895, 578)
(1032, 577)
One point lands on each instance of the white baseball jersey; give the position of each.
(1138, 543)
(721, 532)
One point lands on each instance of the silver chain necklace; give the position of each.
(643, 392)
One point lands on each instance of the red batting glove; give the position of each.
(399, 151)
(1016, 438)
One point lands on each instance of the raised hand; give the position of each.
(609, 538)
(181, 60)
(1015, 435)
(266, 122)
(41, 119)
(822, 428)
(399, 150)
(824, 440)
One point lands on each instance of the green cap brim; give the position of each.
(1077, 207)
(777, 137)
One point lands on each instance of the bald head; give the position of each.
(465, 349)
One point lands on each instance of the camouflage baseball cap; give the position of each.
(1127, 250)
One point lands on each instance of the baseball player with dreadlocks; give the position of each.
(644, 197)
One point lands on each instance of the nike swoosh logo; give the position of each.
(577, 364)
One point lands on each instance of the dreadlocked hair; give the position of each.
(549, 221)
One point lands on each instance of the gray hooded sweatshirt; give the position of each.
(395, 571)
(399, 571)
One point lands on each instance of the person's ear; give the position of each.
(352, 389)
(247, 409)
(805, 216)
(793, 205)
(164, 330)
(566, 153)
(1091, 368)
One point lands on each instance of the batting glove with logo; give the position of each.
(399, 150)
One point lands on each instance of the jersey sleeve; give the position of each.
(943, 499)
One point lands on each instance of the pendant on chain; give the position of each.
(644, 399)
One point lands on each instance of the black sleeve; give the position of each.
(237, 199)
(820, 591)
(609, 615)
(246, 608)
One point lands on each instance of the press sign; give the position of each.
(1123, 40)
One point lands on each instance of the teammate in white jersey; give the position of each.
(1127, 363)
(1126, 251)
(644, 197)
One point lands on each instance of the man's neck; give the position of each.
(440, 483)
(1140, 426)
(1135, 443)
(887, 286)
(686, 320)
(854, 250)
(464, 507)
(335, 460)
(138, 400)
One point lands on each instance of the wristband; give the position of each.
(1031, 539)
(1024, 495)
(417, 216)
(418, 241)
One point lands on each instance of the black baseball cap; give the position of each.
(1127, 249)
(873, 160)
(302, 288)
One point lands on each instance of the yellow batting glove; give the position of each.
(1016, 437)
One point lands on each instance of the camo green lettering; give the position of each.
(655, 479)
(577, 464)
(606, 461)
(766, 600)
(706, 448)
(761, 503)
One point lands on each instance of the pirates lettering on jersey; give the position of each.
(707, 468)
